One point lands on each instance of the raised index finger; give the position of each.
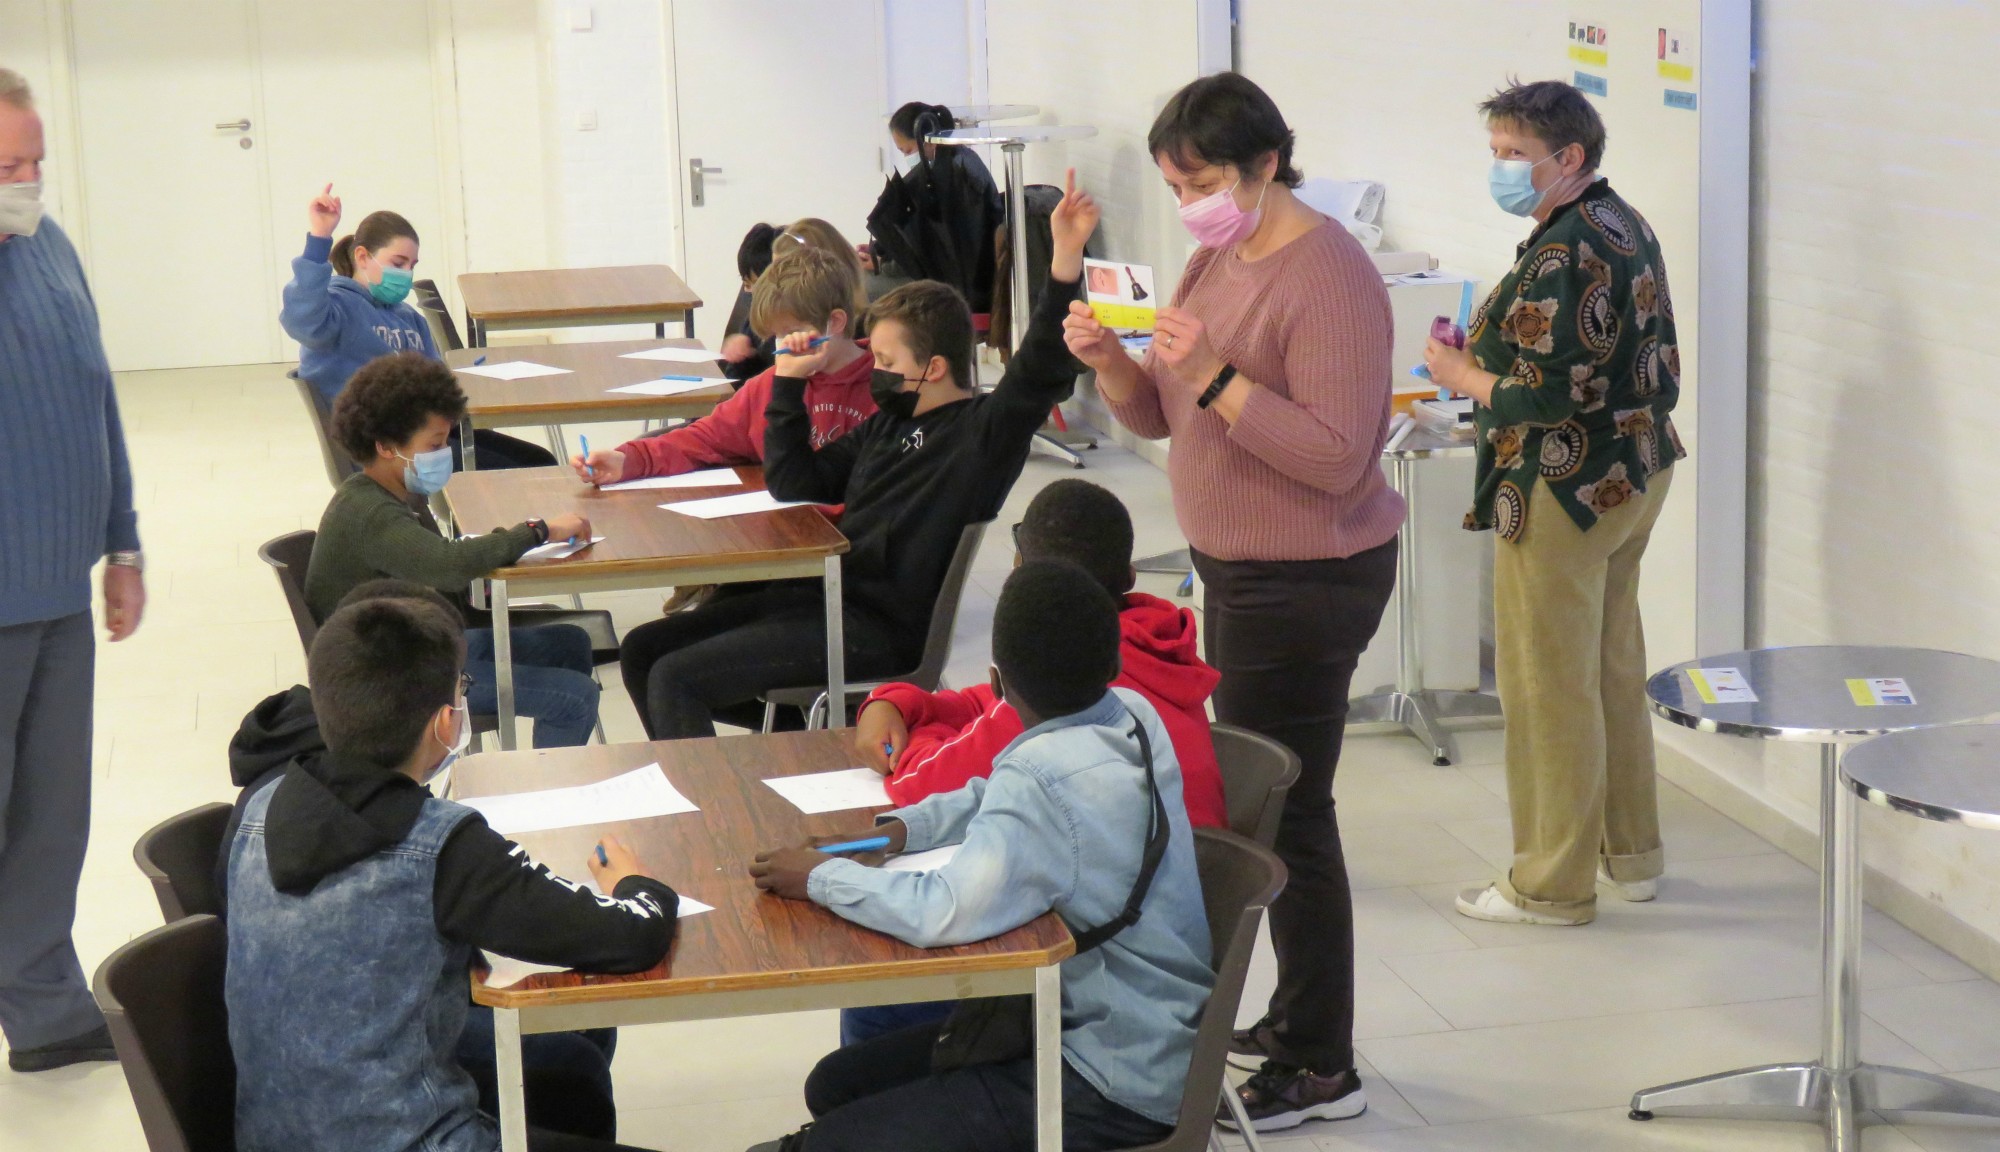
(1069, 183)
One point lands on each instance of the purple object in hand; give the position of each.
(1446, 331)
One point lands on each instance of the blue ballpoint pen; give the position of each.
(872, 844)
(587, 469)
(602, 859)
(478, 362)
(697, 379)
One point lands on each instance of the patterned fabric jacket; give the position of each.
(1581, 332)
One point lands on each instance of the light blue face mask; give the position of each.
(428, 473)
(458, 746)
(392, 287)
(1512, 183)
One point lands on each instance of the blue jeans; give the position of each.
(552, 683)
(859, 1024)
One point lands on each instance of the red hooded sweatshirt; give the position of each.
(734, 432)
(954, 735)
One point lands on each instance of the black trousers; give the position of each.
(688, 670)
(497, 450)
(880, 1096)
(1286, 636)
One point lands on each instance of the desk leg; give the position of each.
(507, 1066)
(836, 649)
(465, 443)
(475, 332)
(503, 664)
(687, 324)
(1048, 1059)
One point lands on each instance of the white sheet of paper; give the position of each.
(929, 861)
(706, 478)
(559, 549)
(507, 971)
(833, 791)
(515, 370)
(741, 504)
(674, 355)
(669, 387)
(1721, 686)
(636, 795)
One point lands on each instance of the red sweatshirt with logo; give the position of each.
(954, 735)
(734, 432)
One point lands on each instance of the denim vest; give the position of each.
(345, 1004)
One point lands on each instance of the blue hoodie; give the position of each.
(339, 326)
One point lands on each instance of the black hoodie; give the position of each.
(329, 814)
(280, 729)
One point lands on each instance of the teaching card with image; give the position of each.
(1120, 295)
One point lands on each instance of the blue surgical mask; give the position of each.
(428, 473)
(392, 287)
(1512, 183)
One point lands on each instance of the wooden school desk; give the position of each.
(575, 298)
(754, 954)
(645, 546)
(583, 394)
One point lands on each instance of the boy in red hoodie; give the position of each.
(804, 288)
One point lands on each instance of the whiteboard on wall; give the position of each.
(1382, 90)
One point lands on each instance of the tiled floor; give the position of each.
(1474, 1036)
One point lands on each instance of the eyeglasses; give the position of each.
(464, 685)
(1017, 535)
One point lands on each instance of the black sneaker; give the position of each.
(1285, 1096)
(789, 1142)
(92, 1045)
(1250, 1047)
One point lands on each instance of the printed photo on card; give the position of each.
(1120, 295)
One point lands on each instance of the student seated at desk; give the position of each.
(393, 419)
(1076, 808)
(346, 305)
(745, 355)
(567, 1075)
(356, 899)
(935, 457)
(811, 289)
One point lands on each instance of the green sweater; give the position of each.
(1581, 332)
(368, 534)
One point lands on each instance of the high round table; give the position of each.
(1804, 695)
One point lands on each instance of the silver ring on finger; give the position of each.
(1170, 340)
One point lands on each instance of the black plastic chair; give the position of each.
(339, 465)
(937, 645)
(178, 855)
(162, 998)
(430, 302)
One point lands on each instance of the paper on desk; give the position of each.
(674, 355)
(1721, 686)
(741, 504)
(505, 971)
(1875, 691)
(515, 370)
(668, 387)
(833, 791)
(929, 861)
(706, 478)
(636, 795)
(560, 549)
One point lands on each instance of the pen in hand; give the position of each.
(602, 858)
(871, 844)
(587, 469)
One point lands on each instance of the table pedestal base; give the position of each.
(1418, 712)
(1835, 1099)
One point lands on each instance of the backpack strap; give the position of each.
(1149, 863)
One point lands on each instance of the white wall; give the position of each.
(497, 127)
(929, 49)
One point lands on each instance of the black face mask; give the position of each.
(886, 388)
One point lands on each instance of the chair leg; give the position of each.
(558, 441)
(818, 716)
(770, 717)
(1234, 1103)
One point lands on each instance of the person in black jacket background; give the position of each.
(936, 456)
(938, 216)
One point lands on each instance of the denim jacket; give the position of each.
(1061, 824)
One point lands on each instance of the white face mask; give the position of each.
(20, 208)
(906, 162)
(459, 743)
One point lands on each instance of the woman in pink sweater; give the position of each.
(1270, 370)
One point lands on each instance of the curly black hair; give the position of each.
(390, 399)
(1078, 521)
(1055, 638)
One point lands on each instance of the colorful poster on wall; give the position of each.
(1589, 51)
(1676, 56)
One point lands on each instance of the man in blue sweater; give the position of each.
(69, 503)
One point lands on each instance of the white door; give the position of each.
(786, 134)
(173, 182)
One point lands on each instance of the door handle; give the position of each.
(696, 190)
(242, 125)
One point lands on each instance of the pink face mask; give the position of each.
(1216, 222)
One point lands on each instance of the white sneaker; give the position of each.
(1632, 891)
(1488, 904)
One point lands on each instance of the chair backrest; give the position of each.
(178, 856)
(162, 999)
(1239, 879)
(944, 613)
(1257, 773)
(430, 302)
(289, 555)
(339, 466)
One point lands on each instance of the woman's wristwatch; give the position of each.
(1216, 386)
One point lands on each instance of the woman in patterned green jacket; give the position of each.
(1573, 363)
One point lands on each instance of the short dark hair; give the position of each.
(378, 671)
(1055, 637)
(1223, 119)
(390, 399)
(389, 588)
(935, 321)
(753, 255)
(376, 230)
(1078, 521)
(907, 120)
(1551, 111)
